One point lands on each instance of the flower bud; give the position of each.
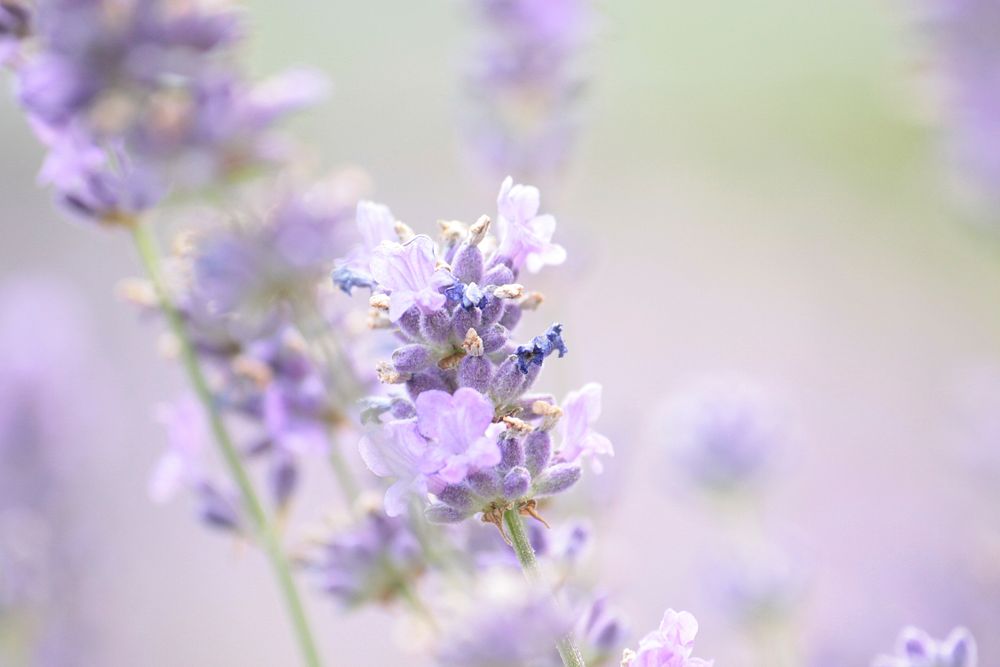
(511, 315)
(511, 452)
(457, 496)
(484, 483)
(556, 479)
(500, 274)
(411, 358)
(537, 451)
(475, 372)
(468, 264)
(436, 326)
(516, 483)
(441, 513)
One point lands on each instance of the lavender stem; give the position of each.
(570, 654)
(146, 246)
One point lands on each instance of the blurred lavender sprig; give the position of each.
(139, 98)
(45, 552)
(523, 83)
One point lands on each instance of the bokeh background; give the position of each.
(758, 188)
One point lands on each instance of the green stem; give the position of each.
(570, 654)
(146, 245)
(345, 478)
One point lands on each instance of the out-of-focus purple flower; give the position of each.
(670, 645)
(95, 184)
(372, 560)
(505, 628)
(252, 268)
(600, 631)
(581, 410)
(766, 586)
(51, 392)
(524, 81)
(968, 57)
(525, 236)
(722, 432)
(409, 273)
(153, 84)
(183, 464)
(915, 648)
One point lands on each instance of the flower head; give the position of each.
(722, 432)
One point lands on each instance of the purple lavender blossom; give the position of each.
(471, 435)
(251, 269)
(764, 587)
(183, 463)
(525, 236)
(915, 648)
(461, 427)
(581, 410)
(409, 274)
(722, 432)
(372, 560)
(185, 466)
(151, 84)
(524, 83)
(286, 398)
(670, 645)
(506, 627)
(600, 630)
(376, 224)
(398, 451)
(47, 376)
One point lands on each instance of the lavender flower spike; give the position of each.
(670, 645)
(915, 648)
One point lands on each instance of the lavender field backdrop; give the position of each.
(768, 205)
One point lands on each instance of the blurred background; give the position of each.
(759, 189)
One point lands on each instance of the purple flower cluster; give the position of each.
(510, 631)
(670, 645)
(524, 82)
(915, 648)
(722, 433)
(135, 98)
(46, 546)
(469, 432)
(239, 290)
(282, 255)
(374, 559)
